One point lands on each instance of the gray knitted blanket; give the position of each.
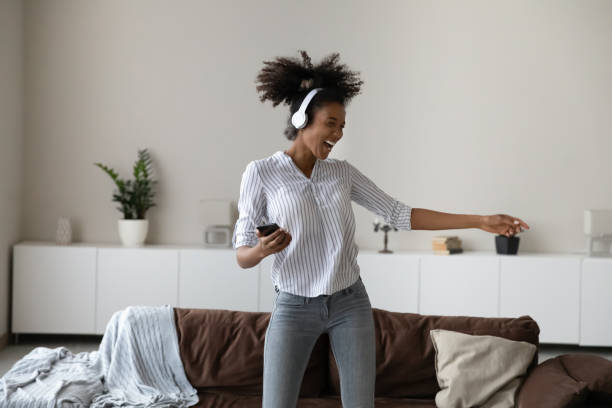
(138, 364)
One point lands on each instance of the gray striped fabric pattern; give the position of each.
(317, 212)
(51, 378)
(138, 364)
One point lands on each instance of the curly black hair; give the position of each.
(288, 80)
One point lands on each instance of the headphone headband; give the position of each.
(308, 98)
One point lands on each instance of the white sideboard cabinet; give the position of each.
(596, 296)
(548, 289)
(134, 276)
(461, 285)
(54, 289)
(392, 282)
(75, 289)
(266, 291)
(212, 279)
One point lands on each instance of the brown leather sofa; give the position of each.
(222, 352)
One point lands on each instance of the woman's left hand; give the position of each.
(503, 224)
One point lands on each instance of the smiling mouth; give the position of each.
(328, 145)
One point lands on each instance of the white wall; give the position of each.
(11, 143)
(467, 107)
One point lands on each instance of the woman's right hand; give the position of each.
(275, 242)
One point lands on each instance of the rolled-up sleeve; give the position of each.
(367, 194)
(251, 208)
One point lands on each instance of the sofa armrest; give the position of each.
(570, 380)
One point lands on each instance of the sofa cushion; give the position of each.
(223, 349)
(593, 370)
(574, 380)
(483, 371)
(405, 353)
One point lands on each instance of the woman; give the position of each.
(309, 195)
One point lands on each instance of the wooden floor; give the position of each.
(76, 344)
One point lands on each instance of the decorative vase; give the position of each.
(133, 232)
(506, 245)
(63, 234)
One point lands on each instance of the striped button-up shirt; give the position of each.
(317, 212)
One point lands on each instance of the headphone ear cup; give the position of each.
(299, 119)
(304, 121)
(295, 119)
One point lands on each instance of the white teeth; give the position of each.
(331, 143)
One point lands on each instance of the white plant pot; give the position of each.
(133, 232)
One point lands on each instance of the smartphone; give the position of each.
(268, 228)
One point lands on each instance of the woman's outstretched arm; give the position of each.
(424, 219)
(367, 194)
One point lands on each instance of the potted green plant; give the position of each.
(135, 197)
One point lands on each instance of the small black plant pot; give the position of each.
(506, 245)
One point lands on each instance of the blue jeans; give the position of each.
(295, 325)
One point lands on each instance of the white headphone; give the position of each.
(300, 118)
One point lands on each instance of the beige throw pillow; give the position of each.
(478, 371)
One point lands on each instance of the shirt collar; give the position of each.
(289, 161)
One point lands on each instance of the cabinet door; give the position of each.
(391, 280)
(134, 276)
(267, 294)
(212, 279)
(53, 289)
(596, 310)
(545, 288)
(460, 285)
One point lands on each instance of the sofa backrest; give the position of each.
(405, 354)
(222, 350)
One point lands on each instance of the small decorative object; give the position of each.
(386, 228)
(135, 197)
(506, 245)
(63, 234)
(446, 245)
(218, 236)
(598, 229)
(216, 218)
